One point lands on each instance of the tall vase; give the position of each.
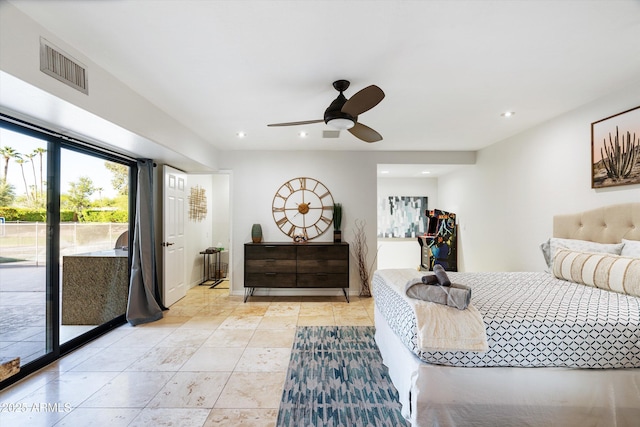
(256, 233)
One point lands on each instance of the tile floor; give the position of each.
(211, 361)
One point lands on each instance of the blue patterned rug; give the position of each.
(336, 378)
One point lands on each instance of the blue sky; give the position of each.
(73, 165)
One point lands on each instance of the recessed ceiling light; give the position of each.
(508, 113)
(241, 134)
(384, 171)
(302, 134)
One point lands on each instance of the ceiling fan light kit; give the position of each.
(341, 124)
(343, 113)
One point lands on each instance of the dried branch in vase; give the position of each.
(360, 251)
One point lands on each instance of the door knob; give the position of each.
(167, 244)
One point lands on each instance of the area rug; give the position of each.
(336, 378)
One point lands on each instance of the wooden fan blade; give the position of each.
(363, 100)
(365, 133)
(306, 122)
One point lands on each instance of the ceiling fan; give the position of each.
(343, 113)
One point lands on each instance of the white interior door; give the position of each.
(174, 281)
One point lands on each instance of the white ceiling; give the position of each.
(448, 68)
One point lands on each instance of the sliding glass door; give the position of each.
(94, 240)
(23, 247)
(64, 238)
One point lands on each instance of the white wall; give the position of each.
(198, 234)
(221, 214)
(404, 253)
(505, 202)
(350, 176)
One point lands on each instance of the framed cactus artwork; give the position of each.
(615, 150)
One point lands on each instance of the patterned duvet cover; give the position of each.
(532, 320)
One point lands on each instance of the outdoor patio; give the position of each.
(23, 310)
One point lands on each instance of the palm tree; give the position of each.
(7, 153)
(19, 160)
(40, 151)
(35, 179)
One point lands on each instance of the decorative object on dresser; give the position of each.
(303, 206)
(337, 222)
(290, 265)
(256, 233)
(615, 150)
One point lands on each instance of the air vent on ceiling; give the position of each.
(63, 67)
(330, 133)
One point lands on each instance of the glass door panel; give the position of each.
(23, 247)
(94, 240)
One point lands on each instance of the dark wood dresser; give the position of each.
(293, 265)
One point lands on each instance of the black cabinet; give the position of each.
(290, 265)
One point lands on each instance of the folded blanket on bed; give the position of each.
(441, 274)
(439, 327)
(430, 279)
(455, 295)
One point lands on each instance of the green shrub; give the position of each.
(40, 215)
(89, 215)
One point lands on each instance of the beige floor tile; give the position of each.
(273, 338)
(181, 337)
(316, 309)
(111, 359)
(204, 322)
(241, 322)
(69, 388)
(278, 322)
(167, 359)
(229, 338)
(264, 359)
(191, 390)
(160, 417)
(168, 321)
(112, 417)
(252, 390)
(316, 321)
(242, 418)
(129, 390)
(283, 309)
(251, 310)
(143, 337)
(216, 359)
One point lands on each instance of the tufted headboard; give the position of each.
(609, 224)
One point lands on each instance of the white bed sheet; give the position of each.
(434, 395)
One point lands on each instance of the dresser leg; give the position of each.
(346, 294)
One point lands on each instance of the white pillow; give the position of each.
(604, 271)
(631, 248)
(556, 243)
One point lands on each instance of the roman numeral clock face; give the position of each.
(303, 206)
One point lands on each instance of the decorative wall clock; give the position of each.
(303, 206)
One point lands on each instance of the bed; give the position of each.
(558, 352)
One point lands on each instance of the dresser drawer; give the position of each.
(323, 266)
(269, 252)
(315, 252)
(323, 280)
(270, 280)
(270, 266)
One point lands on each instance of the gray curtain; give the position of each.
(144, 303)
